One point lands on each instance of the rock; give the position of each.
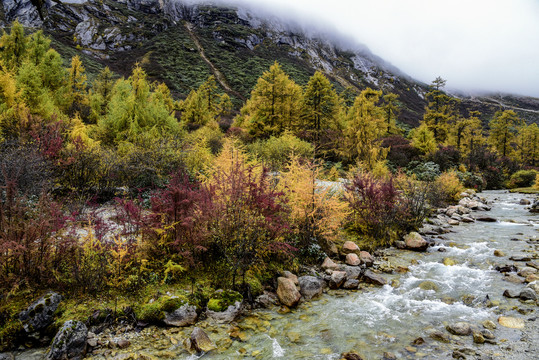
(533, 264)
(7, 356)
(351, 284)
(353, 260)
(200, 342)
(400, 244)
(535, 207)
(519, 258)
(467, 219)
(267, 300)
(389, 356)
(337, 279)
(489, 324)
(428, 285)
(123, 343)
(453, 222)
(40, 313)
(506, 268)
(329, 264)
(373, 278)
(227, 316)
(92, 342)
(527, 294)
(511, 322)
(69, 342)
(485, 218)
(310, 286)
(439, 336)
(513, 278)
(415, 242)
(527, 271)
(460, 328)
(350, 247)
(289, 275)
(478, 338)
(352, 272)
(351, 356)
(287, 292)
(510, 294)
(184, 316)
(534, 285)
(499, 253)
(524, 202)
(366, 258)
(531, 278)
(449, 262)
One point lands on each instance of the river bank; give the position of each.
(454, 281)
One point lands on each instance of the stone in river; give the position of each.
(337, 279)
(366, 258)
(414, 241)
(514, 278)
(511, 322)
(200, 342)
(485, 218)
(510, 294)
(459, 328)
(352, 260)
(287, 292)
(351, 284)
(310, 286)
(527, 271)
(373, 278)
(499, 253)
(527, 294)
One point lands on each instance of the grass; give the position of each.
(525, 190)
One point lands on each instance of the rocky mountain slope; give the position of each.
(182, 43)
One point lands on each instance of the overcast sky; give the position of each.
(474, 44)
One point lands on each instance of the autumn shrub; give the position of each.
(414, 202)
(447, 157)
(374, 205)
(493, 169)
(522, 178)
(447, 189)
(401, 151)
(536, 183)
(471, 180)
(275, 152)
(424, 171)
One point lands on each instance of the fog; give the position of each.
(479, 45)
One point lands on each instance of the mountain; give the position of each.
(181, 43)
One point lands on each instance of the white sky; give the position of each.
(488, 45)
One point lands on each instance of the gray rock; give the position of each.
(69, 342)
(510, 294)
(40, 313)
(527, 294)
(524, 202)
(373, 278)
(200, 342)
(337, 279)
(526, 271)
(352, 272)
(267, 300)
(310, 286)
(460, 328)
(351, 284)
(7, 356)
(485, 218)
(183, 316)
(227, 316)
(439, 336)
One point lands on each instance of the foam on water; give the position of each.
(278, 351)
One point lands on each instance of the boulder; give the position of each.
(366, 258)
(520, 258)
(310, 286)
(415, 242)
(453, 222)
(511, 322)
(267, 300)
(337, 279)
(351, 356)
(534, 286)
(535, 207)
(467, 219)
(229, 315)
(351, 284)
(69, 342)
(499, 253)
(352, 272)
(531, 278)
(485, 218)
(184, 316)
(527, 271)
(329, 264)
(459, 328)
(349, 247)
(510, 294)
(200, 342)
(525, 202)
(289, 275)
(287, 292)
(439, 336)
(40, 313)
(352, 260)
(514, 278)
(527, 294)
(373, 278)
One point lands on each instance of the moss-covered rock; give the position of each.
(154, 312)
(222, 299)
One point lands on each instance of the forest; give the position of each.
(113, 190)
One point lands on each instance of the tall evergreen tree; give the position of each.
(503, 129)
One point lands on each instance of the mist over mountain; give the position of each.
(182, 42)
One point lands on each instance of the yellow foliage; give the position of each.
(536, 185)
(449, 186)
(79, 131)
(316, 207)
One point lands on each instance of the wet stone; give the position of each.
(510, 294)
(527, 294)
(459, 328)
(439, 336)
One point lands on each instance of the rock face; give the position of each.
(227, 316)
(184, 316)
(40, 313)
(200, 342)
(415, 242)
(310, 286)
(69, 342)
(287, 292)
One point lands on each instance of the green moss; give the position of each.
(10, 333)
(169, 304)
(221, 300)
(155, 312)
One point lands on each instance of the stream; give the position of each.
(423, 295)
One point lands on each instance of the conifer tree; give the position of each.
(391, 111)
(440, 110)
(528, 145)
(423, 139)
(503, 129)
(14, 46)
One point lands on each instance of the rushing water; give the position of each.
(374, 320)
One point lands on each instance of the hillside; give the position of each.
(182, 44)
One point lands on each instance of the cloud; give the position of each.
(490, 45)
